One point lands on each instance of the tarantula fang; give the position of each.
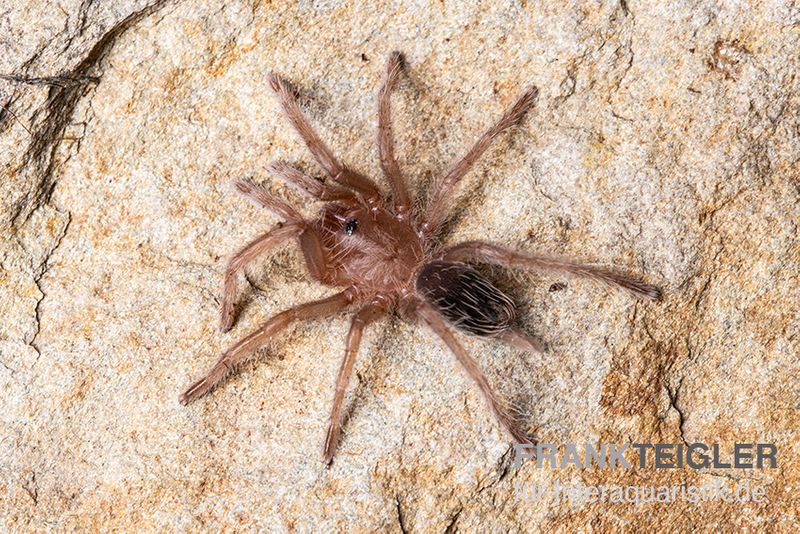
(386, 256)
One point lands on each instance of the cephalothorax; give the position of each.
(386, 256)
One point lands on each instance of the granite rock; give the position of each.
(665, 142)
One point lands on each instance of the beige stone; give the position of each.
(665, 141)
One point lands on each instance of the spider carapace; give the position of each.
(366, 247)
(384, 255)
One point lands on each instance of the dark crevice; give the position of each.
(58, 81)
(62, 99)
(7, 368)
(503, 468)
(31, 488)
(7, 108)
(451, 526)
(41, 271)
(401, 519)
(5, 111)
(673, 402)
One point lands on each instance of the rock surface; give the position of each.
(665, 141)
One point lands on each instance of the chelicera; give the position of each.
(386, 257)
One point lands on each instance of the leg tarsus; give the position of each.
(520, 339)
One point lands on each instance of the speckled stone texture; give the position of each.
(665, 141)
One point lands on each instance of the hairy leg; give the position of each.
(497, 406)
(436, 211)
(318, 149)
(243, 348)
(489, 253)
(360, 321)
(520, 339)
(316, 188)
(401, 200)
(239, 261)
(263, 198)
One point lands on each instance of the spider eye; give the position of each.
(351, 226)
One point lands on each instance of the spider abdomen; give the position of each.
(466, 298)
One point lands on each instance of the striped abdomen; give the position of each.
(467, 299)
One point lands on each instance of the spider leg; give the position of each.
(497, 406)
(401, 199)
(436, 211)
(317, 147)
(240, 350)
(261, 196)
(489, 253)
(520, 339)
(316, 188)
(240, 260)
(360, 321)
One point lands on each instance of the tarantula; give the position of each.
(386, 256)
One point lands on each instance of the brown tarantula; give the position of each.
(386, 257)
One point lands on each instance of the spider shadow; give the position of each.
(264, 275)
(512, 374)
(433, 131)
(365, 377)
(473, 193)
(513, 371)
